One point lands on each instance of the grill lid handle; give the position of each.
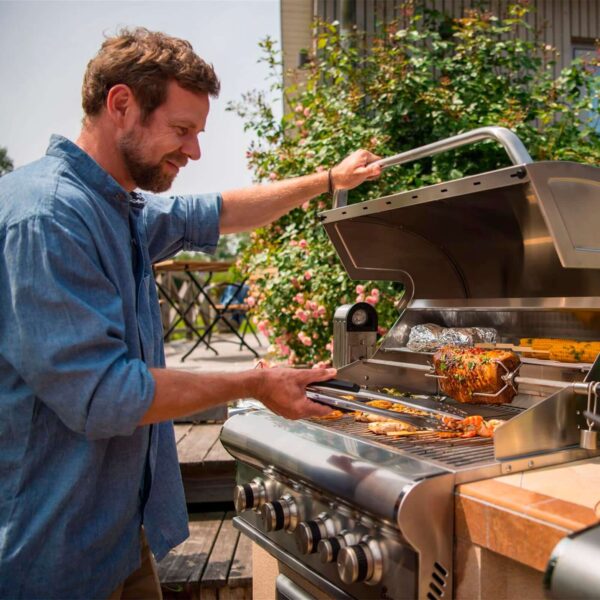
(512, 144)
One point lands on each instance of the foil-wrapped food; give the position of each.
(431, 337)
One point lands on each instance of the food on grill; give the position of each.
(431, 337)
(334, 414)
(365, 417)
(472, 426)
(390, 426)
(465, 372)
(562, 350)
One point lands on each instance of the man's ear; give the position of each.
(121, 105)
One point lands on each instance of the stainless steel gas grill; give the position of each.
(516, 250)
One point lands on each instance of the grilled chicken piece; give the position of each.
(389, 426)
(466, 371)
(363, 417)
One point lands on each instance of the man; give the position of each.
(87, 453)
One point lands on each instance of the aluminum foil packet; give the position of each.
(431, 337)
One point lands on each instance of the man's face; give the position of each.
(154, 152)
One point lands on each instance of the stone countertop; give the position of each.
(524, 515)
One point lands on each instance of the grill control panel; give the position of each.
(360, 555)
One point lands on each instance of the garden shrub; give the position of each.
(428, 80)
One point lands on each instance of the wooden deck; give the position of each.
(207, 469)
(214, 563)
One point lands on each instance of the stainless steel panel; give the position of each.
(285, 557)
(345, 467)
(550, 425)
(569, 198)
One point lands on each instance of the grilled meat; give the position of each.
(389, 426)
(466, 371)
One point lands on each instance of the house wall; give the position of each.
(564, 24)
(297, 17)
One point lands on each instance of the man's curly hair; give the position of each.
(145, 61)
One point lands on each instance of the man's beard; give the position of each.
(147, 176)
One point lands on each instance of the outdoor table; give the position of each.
(193, 269)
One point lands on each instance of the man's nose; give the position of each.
(191, 147)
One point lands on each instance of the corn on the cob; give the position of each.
(562, 350)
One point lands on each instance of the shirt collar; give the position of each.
(92, 173)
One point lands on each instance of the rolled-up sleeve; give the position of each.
(182, 223)
(64, 319)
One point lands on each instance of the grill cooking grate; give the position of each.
(454, 452)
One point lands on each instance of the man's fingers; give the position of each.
(319, 375)
(318, 410)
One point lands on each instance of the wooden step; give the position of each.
(207, 469)
(214, 563)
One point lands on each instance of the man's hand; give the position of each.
(284, 391)
(354, 169)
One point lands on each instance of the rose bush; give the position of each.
(429, 80)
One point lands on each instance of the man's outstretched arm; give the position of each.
(259, 205)
(181, 393)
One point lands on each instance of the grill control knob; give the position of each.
(249, 495)
(279, 514)
(310, 533)
(329, 548)
(361, 562)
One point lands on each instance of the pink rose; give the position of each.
(360, 289)
(272, 176)
(301, 314)
(375, 292)
(308, 275)
(372, 300)
(306, 205)
(299, 298)
(299, 108)
(304, 339)
(251, 301)
(306, 111)
(303, 244)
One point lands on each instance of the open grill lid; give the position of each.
(527, 231)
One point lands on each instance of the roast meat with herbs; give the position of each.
(468, 371)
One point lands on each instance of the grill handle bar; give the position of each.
(512, 144)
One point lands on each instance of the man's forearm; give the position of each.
(180, 393)
(259, 205)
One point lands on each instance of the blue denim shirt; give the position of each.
(79, 328)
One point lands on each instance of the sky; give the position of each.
(45, 47)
